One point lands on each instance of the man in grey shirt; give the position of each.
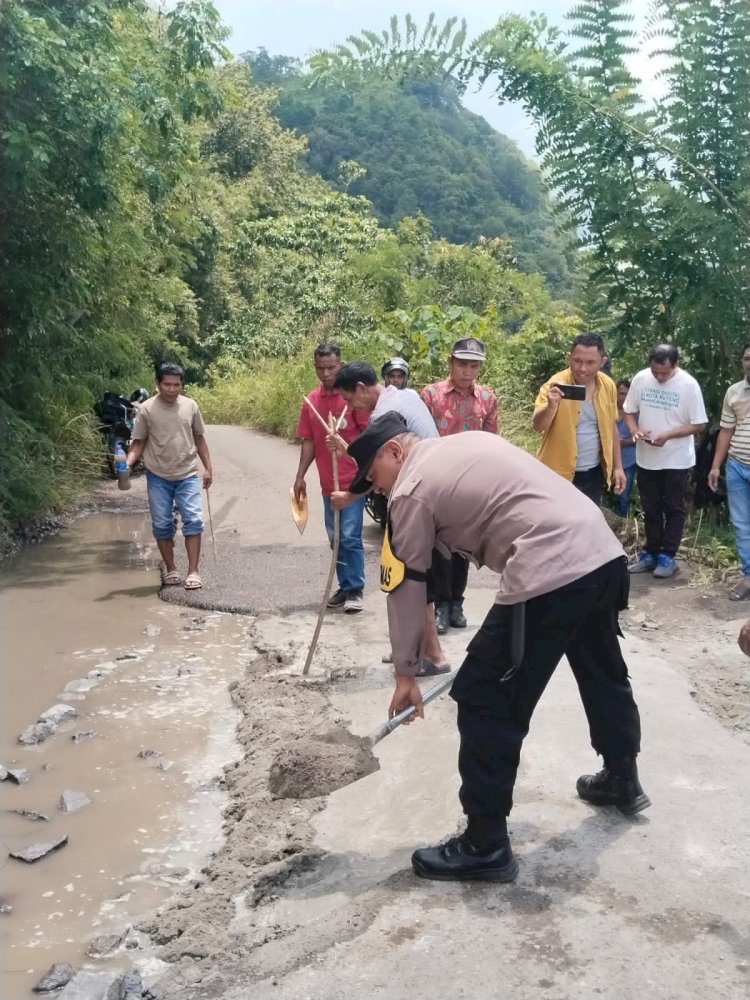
(358, 383)
(562, 582)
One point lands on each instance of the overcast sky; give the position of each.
(298, 27)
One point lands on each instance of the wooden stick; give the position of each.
(334, 553)
(328, 428)
(211, 524)
(312, 407)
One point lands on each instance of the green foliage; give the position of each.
(432, 53)
(417, 151)
(660, 197)
(152, 208)
(95, 214)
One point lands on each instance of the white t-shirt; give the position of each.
(662, 406)
(409, 404)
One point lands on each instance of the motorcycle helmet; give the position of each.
(396, 365)
(139, 396)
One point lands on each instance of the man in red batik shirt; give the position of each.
(458, 404)
(350, 566)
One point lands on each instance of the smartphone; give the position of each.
(577, 392)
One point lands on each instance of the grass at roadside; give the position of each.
(45, 473)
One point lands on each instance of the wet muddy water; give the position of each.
(81, 611)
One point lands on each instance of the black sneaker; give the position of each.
(458, 860)
(353, 603)
(337, 600)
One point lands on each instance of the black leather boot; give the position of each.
(456, 615)
(616, 784)
(459, 860)
(441, 618)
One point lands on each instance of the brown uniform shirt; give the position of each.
(480, 496)
(169, 429)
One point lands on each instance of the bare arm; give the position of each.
(203, 453)
(684, 430)
(722, 450)
(306, 458)
(490, 422)
(544, 415)
(618, 475)
(631, 419)
(135, 451)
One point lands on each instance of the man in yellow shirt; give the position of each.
(580, 440)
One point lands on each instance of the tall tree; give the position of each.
(98, 101)
(660, 198)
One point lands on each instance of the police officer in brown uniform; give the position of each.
(562, 582)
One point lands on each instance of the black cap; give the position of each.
(469, 349)
(364, 448)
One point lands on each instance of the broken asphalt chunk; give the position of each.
(58, 713)
(36, 733)
(57, 976)
(18, 775)
(36, 851)
(71, 801)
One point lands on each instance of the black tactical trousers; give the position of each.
(578, 621)
(448, 577)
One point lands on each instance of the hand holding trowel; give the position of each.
(299, 510)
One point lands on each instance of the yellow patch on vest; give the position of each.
(392, 569)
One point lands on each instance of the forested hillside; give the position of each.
(410, 147)
(153, 207)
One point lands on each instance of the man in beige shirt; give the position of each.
(733, 444)
(562, 582)
(170, 435)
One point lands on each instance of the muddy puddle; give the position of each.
(83, 626)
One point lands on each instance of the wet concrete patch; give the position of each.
(256, 579)
(311, 767)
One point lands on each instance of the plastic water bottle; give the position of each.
(121, 467)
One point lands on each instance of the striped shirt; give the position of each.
(735, 415)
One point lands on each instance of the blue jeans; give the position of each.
(622, 503)
(185, 494)
(738, 495)
(350, 565)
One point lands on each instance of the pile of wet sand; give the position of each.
(317, 766)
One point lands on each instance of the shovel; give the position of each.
(320, 764)
(386, 728)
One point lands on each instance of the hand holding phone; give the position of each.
(575, 392)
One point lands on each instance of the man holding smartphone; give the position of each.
(576, 411)
(664, 411)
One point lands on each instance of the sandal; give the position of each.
(171, 579)
(430, 669)
(193, 582)
(740, 592)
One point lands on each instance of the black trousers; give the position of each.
(578, 621)
(663, 498)
(591, 483)
(448, 577)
